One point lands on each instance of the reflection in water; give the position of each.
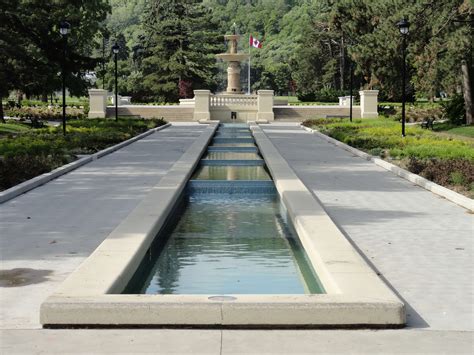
(209, 172)
(233, 145)
(224, 244)
(231, 156)
(227, 242)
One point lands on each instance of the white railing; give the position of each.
(233, 100)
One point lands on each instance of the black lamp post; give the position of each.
(64, 29)
(115, 49)
(351, 80)
(403, 26)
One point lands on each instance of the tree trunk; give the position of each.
(2, 115)
(342, 63)
(467, 90)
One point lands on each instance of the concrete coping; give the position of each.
(355, 296)
(340, 268)
(307, 107)
(173, 107)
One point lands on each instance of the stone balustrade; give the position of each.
(233, 100)
(206, 106)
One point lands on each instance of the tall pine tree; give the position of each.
(181, 43)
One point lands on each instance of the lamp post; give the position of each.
(64, 29)
(115, 49)
(351, 80)
(403, 26)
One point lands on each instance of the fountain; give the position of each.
(233, 58)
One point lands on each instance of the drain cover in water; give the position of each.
(222, 298)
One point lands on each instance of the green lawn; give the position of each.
(10, 128)
(465, 131)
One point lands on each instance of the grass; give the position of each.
(447, 128)
(443, 159)
(31, 152)
(12, 128)
(385, 134)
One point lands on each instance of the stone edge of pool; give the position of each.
(355, 295)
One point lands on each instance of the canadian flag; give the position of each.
(255, 42)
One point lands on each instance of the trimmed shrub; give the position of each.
(35, 152)
(444, 172)
(455, 110)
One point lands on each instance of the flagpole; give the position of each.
(248, 81)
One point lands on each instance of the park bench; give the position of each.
(427, 123)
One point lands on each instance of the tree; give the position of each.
(31, 46)
(181, 43)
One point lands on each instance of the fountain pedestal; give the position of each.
(234, 59)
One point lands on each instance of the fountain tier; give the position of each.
(233, 69)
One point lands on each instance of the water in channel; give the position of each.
(226, 242)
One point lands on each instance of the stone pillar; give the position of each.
(201, 105)
(97, 103)
(233, 78)
(368, 103)
(265, 106)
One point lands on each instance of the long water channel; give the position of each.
(229, 234)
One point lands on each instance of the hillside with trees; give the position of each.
(309, 46)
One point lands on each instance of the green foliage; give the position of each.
(445, 161)
(34, 152)
(31, 47)
(455, 110)
(45, 113)
(324, 95)
(15, 169)
(466, 131)
(386, 134)
(415, 113)
(11, 128)
(181, 41)
(444, 172)
(363, 32)
(458, 178)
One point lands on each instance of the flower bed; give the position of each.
(36, 151)
(444, 160)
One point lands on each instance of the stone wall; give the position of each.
(301, 113)
(282, 113)
(169, 113)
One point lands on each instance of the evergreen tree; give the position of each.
(31, 46)
(181, 43)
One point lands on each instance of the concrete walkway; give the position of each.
(421, 244)
(47, 232)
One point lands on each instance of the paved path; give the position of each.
(420, 243)
(49, 231)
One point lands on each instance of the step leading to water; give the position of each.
(242, 187)
(215, 162)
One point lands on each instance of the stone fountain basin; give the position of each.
(233, 57)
